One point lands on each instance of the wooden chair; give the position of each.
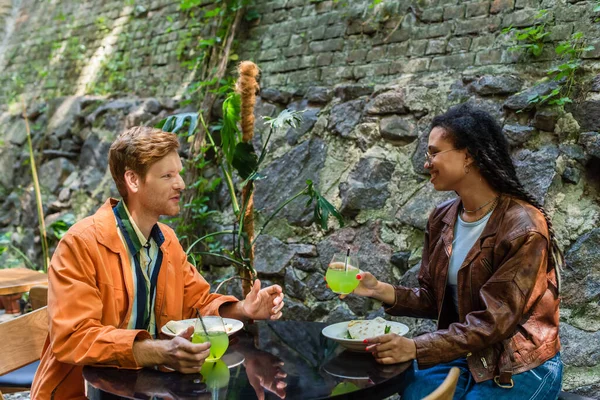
(21, 345)
(38, 296)
(446, 390)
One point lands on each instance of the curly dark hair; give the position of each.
(478, 132)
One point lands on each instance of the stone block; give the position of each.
(334, 31)
(595, 53)
(323, 7)
(370, 70)
(488, 57)
(323, 59)
(293, 50)
(454, 61)
(482, 42)
(433, 14)
(560, 32)
(437, 30)
(401, 34)
(375, 54)
(520, 18)
(477, 9)
(307, 61)
(501, 6)
(355, 56)
(459, 44)
(417, 47)
(477, 25)
(571, 13)
(527, 4)
(327, 45)
(397, 50)
(436, 46)
(269, 54)
(335, 74)
(317, 33)
(454, 12)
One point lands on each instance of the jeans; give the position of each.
(541, 383)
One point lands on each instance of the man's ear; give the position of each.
(132, 180)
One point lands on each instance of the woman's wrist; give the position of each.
(384, 292)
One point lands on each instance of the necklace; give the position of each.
(492, 207)
(480, 207)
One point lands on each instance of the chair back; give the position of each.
(446, 390)
(23, 339)
(38, 296)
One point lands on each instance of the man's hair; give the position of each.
(137, 149)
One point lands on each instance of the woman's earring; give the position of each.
(467, 168)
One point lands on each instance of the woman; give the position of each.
(488, 275)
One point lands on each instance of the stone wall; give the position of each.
(369, 92)
(298, 43)
(97, 47)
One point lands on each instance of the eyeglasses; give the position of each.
(429, 157)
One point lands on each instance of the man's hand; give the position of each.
(263, 303)
(391, 348)
(178, 353)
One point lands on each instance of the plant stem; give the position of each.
(300, 193)
(206, 237)
(227, 280)
(38, 194)
(241, 219)
(233, 261)
(23, 256)
(228, 180)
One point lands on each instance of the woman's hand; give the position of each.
(367, 286)
(391, 348)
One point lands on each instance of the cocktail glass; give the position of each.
(341, 273)
(215, 334)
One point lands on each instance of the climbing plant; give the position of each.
(235, 154)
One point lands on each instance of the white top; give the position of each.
(465, 236)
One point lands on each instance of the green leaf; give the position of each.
(322, 208)
(286, 117)
(174, 123)
(245, 160)
(597, 8)
(230, 134)
(388, 329)
(536, 50)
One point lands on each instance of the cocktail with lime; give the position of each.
(216, 335)
(341, 274)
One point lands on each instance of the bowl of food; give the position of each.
(174, 328)
(350, 334)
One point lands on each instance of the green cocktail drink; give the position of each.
(219, 341)
(342, 279)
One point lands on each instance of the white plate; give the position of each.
(231, 325)
(338, 332)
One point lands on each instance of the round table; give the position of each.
(276, 359)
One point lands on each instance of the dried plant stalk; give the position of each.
(247, 87)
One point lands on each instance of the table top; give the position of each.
(276, 359)
(19, 280)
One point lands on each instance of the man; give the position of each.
(118, 276)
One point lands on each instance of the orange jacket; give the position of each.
(89, 292)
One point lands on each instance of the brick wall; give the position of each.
(298, 43)
(132, 47)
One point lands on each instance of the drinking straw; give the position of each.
(346, 260)
(201, 321)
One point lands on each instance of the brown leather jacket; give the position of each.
(507, 318)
